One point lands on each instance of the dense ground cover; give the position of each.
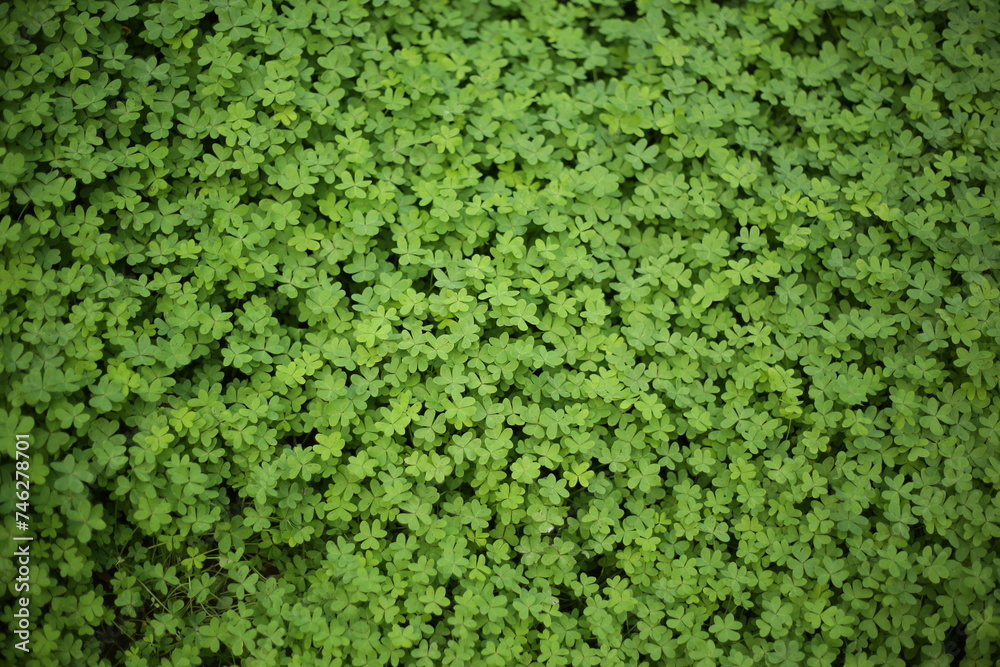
(468, 333)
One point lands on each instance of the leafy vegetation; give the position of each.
(495, 333)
